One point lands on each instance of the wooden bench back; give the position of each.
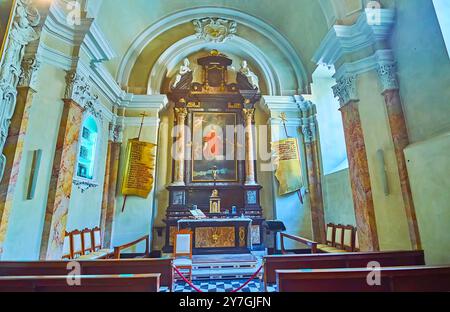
(98, 267)
(347, 260)
(90, 283)
(393, 279)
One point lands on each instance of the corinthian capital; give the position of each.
(387, 73)
(30, 65)
(345, 90)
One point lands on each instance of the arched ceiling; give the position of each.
(278, 38)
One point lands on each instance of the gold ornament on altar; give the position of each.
(214, 199)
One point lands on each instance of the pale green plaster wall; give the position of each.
(338, 198)
(392, 226)
(26, 222)
(423, 68)
(429, 168)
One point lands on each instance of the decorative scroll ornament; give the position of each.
(215, 29)
(84, 185)
(388, 77)
(78, 89)
(115, 131)
(26, 19)
(345, 90)
(30, 66)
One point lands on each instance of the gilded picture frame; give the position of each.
(6, 15)
(201, 167)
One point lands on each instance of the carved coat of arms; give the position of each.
(215, 29)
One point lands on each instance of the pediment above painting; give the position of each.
(212, 76)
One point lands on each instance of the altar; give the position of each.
(217, 236)
(218, 177)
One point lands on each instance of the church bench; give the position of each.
(91, 267)
(343, 260)
(393, 279)
(88, 283)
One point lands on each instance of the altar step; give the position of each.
(224, 267)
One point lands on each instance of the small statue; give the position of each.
(251, 77)
(215, 193)
(184, 69)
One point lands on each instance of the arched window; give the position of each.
(88, 149)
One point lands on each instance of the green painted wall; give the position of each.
(429, 168)
(338, 198)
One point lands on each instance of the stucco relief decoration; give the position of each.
(345, 90)
(22, 32)
(30, 65)
(388, 76)
(216, 30)
(79, 90)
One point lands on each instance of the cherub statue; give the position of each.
(252, 78)
(184, 69)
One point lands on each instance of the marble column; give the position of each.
(61, 181)
(399, 132)
(24, 29)
(345, 90)
(309, 130)
(13, 149)
(249, 147)
(180, 115)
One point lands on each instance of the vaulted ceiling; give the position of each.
(278, 38)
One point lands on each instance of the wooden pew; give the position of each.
(343, 260)
(393, 279)
(90, 267)
(88, 283)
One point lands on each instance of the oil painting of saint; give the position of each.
(213, 146)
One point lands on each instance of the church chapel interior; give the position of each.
(212, 145)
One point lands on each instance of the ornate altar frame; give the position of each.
(214, 95)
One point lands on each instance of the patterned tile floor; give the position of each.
(222, 286)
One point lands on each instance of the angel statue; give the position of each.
(184, 69)
(251, 77)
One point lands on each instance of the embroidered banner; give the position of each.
(288, 167)
(139, 169)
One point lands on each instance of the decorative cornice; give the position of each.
(345, 90)
(136, 121)
(216, 30)
(347, 39)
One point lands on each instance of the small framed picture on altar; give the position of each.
(198, 214)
